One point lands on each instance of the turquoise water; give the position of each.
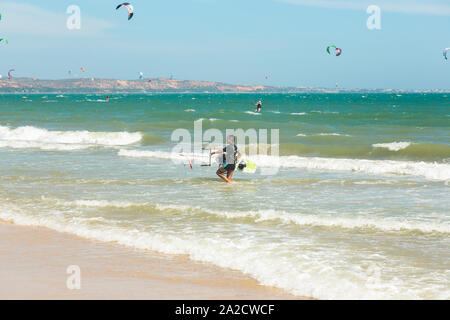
(357, 207)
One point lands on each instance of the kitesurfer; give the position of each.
(258, 106)
(230, 156)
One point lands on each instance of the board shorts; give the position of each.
(229, 167)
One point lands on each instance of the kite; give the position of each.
(129, 8)
(190, 164)
(445, 53)
(9, 73)
(338, 50)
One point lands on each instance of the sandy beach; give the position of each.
(35, 261)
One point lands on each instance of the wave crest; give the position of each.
(32, 137)
(393, 146)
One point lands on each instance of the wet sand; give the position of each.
(34, 264)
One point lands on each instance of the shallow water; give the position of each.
(357, 209)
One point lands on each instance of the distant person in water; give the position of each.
(230, 156)
(258, 106)
(107, 98)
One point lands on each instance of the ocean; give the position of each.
(357, 208)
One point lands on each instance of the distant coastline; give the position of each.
(161, 85)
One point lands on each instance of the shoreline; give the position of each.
(35, 261)
(318, 92)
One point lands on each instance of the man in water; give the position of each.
(230, 156)
(258, 106)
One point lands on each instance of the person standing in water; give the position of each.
(230, 156)
(258, 106)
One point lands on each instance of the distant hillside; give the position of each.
(123, 86)
(91, 85)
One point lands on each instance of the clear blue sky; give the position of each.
(233, 41)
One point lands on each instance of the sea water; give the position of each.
(358, 207)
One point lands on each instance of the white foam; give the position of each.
(325, 134)
(333, 134)
(189, 110)
(117, 204)
(41, 145)
(175, 157)
(427, 170)
(298, 114)
(393, 146)
(210, 119)
(328, 112)
(103, 203)
(317, 273)
(253, 113)
(32, 137)
(354, 222)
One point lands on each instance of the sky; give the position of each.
(233, 41)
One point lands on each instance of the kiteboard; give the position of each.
(246, 166)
